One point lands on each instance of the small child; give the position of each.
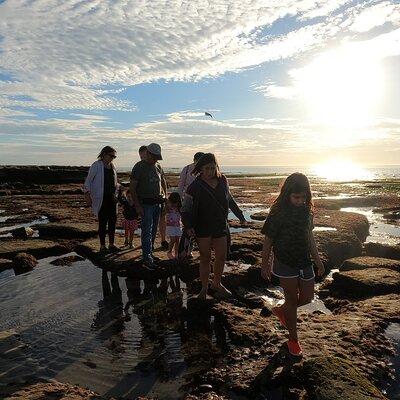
(288, 233)
(174, 229)
(130, 221)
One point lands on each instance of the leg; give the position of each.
(112, 222)
(126, 235)
(146, 232)
(163, 224)
(219, 245)
(176, 246)
(102, 226)
(131, 233)
(290, 288)
(156, 209)
(171, 246)
(306, 292)
(205, 259)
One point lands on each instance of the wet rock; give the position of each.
(206, 396)
(90, 363)
(382, 250)
(335, 247)
(363, 283)
(22, 233)
(46, 391)
(37, 247)
(24, 262)
(5, 264)
(259, 216)
(64, 261)
(68, 230)
(358, 263)
(333, 378)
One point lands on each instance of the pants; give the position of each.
(150, 219)
(107, 216)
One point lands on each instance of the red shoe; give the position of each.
(294, 348)
(278, 312)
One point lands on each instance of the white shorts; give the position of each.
(174, 231)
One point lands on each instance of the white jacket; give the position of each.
(94, 184)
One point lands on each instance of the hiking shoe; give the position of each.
(164, 245)
(278, 312)
(294, 348)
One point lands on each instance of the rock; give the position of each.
(333, 378)
(90, 364)
(63, 261)
(382, 250)
(206, 396)
(204, 388)
(46, 391)
(22, 233)
(68, 230)
(369, 262)
(24, 262)
(358, 284)
(37, 247)
(5, 264)
(259, 216)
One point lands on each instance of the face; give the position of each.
(298, 199)
(108, 157)
(208, 171)
(143, 154)
(151, 158)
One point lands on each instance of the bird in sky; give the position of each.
(207, 114)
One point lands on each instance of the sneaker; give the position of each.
(278, 312)
(164, 245)
(294, 348)
(113, 248)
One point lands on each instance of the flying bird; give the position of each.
(207, 114)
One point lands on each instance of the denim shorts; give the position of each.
(281, 270)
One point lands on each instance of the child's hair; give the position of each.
(294, 183)
(205, 159)
(175, 198)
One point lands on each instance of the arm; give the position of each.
(88, 181)
(315, 255)
(235, 208)
(135, 199)
(182, 180)
(266, 263)
(164, 184)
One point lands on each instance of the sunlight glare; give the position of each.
(342, 171)
(342, 87)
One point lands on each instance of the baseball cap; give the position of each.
(155, 149)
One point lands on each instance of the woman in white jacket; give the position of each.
(100, 192)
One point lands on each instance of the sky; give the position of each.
(299, 82)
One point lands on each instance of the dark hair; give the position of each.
(175, 198)
(205, 159)
(197, 156)
(142, 148)
(106, 150)
(294, 183)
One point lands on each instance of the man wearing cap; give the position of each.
(149, 189)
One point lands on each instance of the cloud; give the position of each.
(65, 55)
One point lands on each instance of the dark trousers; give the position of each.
(107, 218)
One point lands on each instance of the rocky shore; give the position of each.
(235, 349)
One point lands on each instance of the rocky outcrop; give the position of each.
(22, 233)
(382, 250)
(359, 263)
(68, 230)
(38, 248)
(23, 262)
(358, 284)
(66, 261)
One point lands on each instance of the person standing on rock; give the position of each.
(205, 217)
(148, 188)
(186, 177)
(288, 233)
(101, 194)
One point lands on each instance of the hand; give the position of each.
(190, 232)
(320, 268)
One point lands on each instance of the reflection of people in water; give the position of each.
(109, 319)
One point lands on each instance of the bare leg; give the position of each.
(176, 245)
(162, 225)
(306, 292)
(204, 245)
(290, 287)
(219, 245)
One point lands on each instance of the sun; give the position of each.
(341, 170)
(342, 87)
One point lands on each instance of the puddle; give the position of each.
(239, 230)
(380, 230)
(117, 336)
(40, 221)
(247, 211)
(392, 332)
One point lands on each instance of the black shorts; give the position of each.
(213, 233)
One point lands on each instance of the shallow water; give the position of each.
(75, 324)
(40, 221)
(381, 231)
(392, 332)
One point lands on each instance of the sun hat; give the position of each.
(155, 149)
